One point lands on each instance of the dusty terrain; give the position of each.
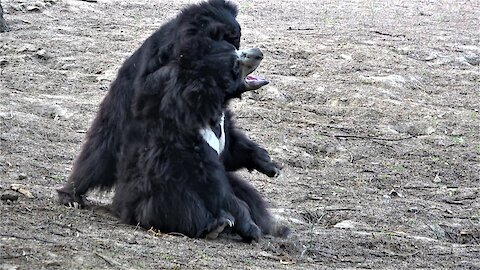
(373, 109)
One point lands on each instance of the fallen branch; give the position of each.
(176, 234)
(426, 187)
(28, 238)
(339, 209)
(449, 201)
(300, 29)
(387, 34)
(347, 136)
(8, 257)
(111, 262)
(67, 226)
(420, 187)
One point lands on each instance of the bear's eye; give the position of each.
(236, 42)
(233, 39)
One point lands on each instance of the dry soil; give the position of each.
(373, 109)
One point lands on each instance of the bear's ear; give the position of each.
(228, 5)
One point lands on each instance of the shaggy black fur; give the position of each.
(148, 70)
(169, 178)
(145, 137)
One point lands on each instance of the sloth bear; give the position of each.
(146, 139)
(169, 177)
(148, 70)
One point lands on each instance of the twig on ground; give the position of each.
(176, 234)
(301, 29)
(67, 226)
(340, 209)
(8, 257)
(264, 118)
(450, 201)
(420, 187)
(387, 34)
(28, 238)
(346, 136)
(109, 261)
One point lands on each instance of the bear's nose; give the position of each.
(254, 54)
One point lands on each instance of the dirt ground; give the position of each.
(373, 109)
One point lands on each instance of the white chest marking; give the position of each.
(218, 144)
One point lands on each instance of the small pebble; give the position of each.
(33, 9)
(413, 210)
(9, 196)
(473, 60)
(42, 54)
(3, 62)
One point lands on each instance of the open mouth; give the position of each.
(255, 81)
(250, 59)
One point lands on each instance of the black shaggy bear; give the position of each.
(148, 70)
(145, 136)
(169, 177)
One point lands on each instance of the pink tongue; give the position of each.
(250, 79)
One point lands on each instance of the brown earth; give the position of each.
(373, 109)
